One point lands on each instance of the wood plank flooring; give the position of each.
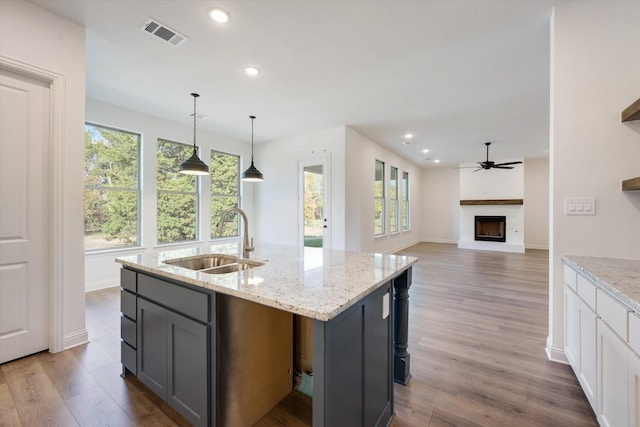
(478, 325)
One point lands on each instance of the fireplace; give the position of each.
(491, 228)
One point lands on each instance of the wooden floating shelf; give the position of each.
(632, 184)
(632, 112)
(492, 202)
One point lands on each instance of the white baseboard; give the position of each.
(434, 240)
(102, 284)
(405, 246)
(536, 246)
(556, 354)
(76, 338)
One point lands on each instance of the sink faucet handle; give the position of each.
(251, 248)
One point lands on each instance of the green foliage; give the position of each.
(177, 194)
(225, 192)
(111, 186)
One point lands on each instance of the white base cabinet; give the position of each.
(601, 337)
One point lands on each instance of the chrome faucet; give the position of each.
(246, 247)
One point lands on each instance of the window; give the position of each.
(225, 192)
(177, 194)
(393, 198)
(111, 188)
(378, 206)
(405, 201)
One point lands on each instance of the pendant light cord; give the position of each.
(252, 118)
(195, 96)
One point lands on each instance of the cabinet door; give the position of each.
(572, 329)
(188, 365)
(588, 351)
(378, 372)
(634, 390)
(152, 347)
(613, 388)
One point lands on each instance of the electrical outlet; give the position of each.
(580, 206)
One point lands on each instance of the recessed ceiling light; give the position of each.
(436, 161)
(251, 71)
(426, 150)
(219, 15)
(406, 143)
(408, 135)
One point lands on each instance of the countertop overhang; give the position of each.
(619, 277)
(312, 282)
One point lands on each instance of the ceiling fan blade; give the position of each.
(502, 167)
(508, 163)
(479, 169)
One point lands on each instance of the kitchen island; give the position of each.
(220, 347)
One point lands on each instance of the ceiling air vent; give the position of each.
(165, 33)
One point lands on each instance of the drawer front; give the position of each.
(128, 304)
(570, 276)
(178, 298)
(128, 331)
(128, 280)
(613, 313)
(587, 291)
(128, 357)
(634, 332)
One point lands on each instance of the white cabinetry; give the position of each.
(613, 399)
(580, 339)
(602, 343)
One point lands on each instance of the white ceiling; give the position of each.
(454, 73)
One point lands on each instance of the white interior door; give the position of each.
(24, 209)
(315, 202)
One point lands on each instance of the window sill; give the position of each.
(99, 252)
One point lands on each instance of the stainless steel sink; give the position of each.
(214, 263)
(230, 268)
(202, 262)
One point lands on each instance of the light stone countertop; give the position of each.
(313, 282)
(620, 277)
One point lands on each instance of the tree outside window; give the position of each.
(111, 188)
(177, 194)
(225, 192)
(378, 203)
(393, 198)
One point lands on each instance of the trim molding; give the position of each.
(556, 354)
(76, 338)
(57, 100)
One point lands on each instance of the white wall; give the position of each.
(277, 195)
(491, 183)
(594, 76)
(440, 214)
(536, 204)
(35, 37)
(101, 269)
(361, 154)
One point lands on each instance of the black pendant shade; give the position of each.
(193, 165)
(252, 174)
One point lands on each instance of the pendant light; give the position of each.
(252, 174)
(193, 165)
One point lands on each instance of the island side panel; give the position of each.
(352, 386)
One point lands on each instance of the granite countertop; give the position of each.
(620, 277)
(313, 282)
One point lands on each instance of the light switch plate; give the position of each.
(580, 206)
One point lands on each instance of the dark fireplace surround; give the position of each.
(490, 228)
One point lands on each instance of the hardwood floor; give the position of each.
(478, 325)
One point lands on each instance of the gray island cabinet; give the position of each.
(221, 348)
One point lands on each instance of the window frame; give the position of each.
(238, 196)
(379, 199)
(137, 190)
(196, 193)
(406, 211)
(394, 221)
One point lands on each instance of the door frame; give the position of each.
(57, 101)
(326, 183)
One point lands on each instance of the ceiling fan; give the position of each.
(489, 164)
